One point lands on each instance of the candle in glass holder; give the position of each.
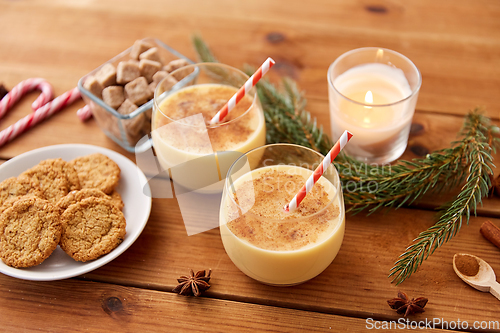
(373, 96)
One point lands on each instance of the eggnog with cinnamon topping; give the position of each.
(274, 246)
(183, 109)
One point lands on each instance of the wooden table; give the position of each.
(456, 46)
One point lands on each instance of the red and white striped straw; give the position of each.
(339, 145)
(252, 81)
(22, 89)
(40, 114)
(84, 113)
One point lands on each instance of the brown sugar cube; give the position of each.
(127, 71)
(138, 91)
(106, 120)
(92, 85)
(169, 82)
(132, 126)
(175, 64)
(138, 48)
(127, 107)
(160, 75)
(149, 68)
(113, 96)
(152, 87)
(151, 54)
(106, 75)
(146, 127)
(148, 114)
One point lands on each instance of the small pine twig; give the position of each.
(375, 187)
(202, 49)
(477, 152)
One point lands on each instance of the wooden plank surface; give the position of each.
(78, 306)
(355, 283)
(454, 44)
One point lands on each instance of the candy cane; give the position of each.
(40, 114)
(22, 89)
(84, 113)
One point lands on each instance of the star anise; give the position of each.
(495, 186)
(194, 284)
(403, 305)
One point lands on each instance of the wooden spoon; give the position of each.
(484, 280)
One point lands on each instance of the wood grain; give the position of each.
(455, 44)
(456, 55)
(355, 283)
(77, 306)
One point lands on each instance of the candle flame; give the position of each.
(380, 54)
(368, 100)
(369, 97)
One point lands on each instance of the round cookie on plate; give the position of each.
(51, 177)
(13, 188)
(76, 196)
(97, 171)
(29, 232)
(65, 168)
(91, 228)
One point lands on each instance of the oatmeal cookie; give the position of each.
(91, 228)
(116, 199)
(97, 171)
(13, 188)
(29, 232)
(76, 196)
(51, 178)
(67, 169)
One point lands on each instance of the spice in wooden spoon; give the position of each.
(482, 277)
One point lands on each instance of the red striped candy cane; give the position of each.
(252, 81)
(84, 113)
(40, 114)
(22, 89)
(339, 145)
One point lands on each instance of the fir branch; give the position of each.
(406, 181)
(202, 49)
(287, 121)
(374, 187)
(477, 153)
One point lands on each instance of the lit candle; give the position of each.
(374, 101)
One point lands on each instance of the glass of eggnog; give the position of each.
(184, 103)
(264, 241)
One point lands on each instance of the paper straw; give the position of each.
(339, 145)
(252, 81)
(22, 89)
(40, 114)
(84, 113)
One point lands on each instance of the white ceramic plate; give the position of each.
(133, 188)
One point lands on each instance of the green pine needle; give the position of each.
(477, 163)
(370, 187)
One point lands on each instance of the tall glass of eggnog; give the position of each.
(184, 103)
(263, 240)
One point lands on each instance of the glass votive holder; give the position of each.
(372, 93)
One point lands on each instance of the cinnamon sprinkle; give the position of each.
(467, 265)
